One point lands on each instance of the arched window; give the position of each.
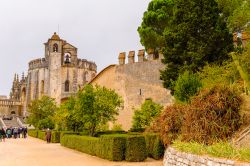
(67, 58)
(55, 48)
(66, 86)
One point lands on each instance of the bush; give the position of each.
(112, 147)
(135, 148)
(100, 133)
(155, 147)
(213, 115)
(55, 136)
(169, 123)
(62, 133)
(186, 86)
(33, 133)
(144, 116)
(83, 144)
(41, 135)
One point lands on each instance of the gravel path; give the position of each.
(35, 152)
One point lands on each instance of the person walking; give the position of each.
(48, 135)
(2, 135)
(25, 130)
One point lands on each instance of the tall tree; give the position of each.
(198, 36)
(41, 112)
(95, 106)
(155, 20)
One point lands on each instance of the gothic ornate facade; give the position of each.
(59, 74)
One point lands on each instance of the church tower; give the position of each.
(53, 55)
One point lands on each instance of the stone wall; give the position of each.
(134, 82)
(173, 157)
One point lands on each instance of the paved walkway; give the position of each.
(35, 152)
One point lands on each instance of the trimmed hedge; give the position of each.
(84, 144)
(41, 135)
(112, 147)
(135, 148)
(33, 133)
(62, 133)
(55, 136)
(155, 147)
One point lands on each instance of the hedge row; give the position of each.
(33, 133)
(155, 147)
(111, 147)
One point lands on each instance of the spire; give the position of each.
(14, 78)
(17, 78)
(23, 76)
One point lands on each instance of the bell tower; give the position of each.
(53, 55)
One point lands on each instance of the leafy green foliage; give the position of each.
(144, 116)
(236, 12)
(135, 148)
(155, 20)
(41, 112)
(96, 106)
(33, 133)
(198, 36)
(83, 144)
(155, 147)
(112, 147)
(225, 74)
(241, 60)
(186, 86)
(90, 109)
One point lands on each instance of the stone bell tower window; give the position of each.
(67, 58)
(66, 86)
(55, 48)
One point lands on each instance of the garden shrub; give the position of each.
(135, 148)
(169, 123)
(213, 115)
(55, 136)
(112, 147)
(41, 135)
(83, 144)
(155, 147)
(33, 133)
(100, 133)
(186, 86)
(145, 114)
(62, 133)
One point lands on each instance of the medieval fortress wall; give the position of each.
(135, 82)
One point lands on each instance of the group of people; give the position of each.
(13, 132)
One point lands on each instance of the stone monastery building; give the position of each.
(59, 75)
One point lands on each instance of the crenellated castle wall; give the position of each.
(135, 81)
(38, 63)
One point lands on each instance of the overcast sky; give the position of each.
(100, 29)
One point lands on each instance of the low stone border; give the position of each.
(172, 157)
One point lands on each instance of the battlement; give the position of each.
(9, 103)
(38, 63)
(83, 63)
(142, 57)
